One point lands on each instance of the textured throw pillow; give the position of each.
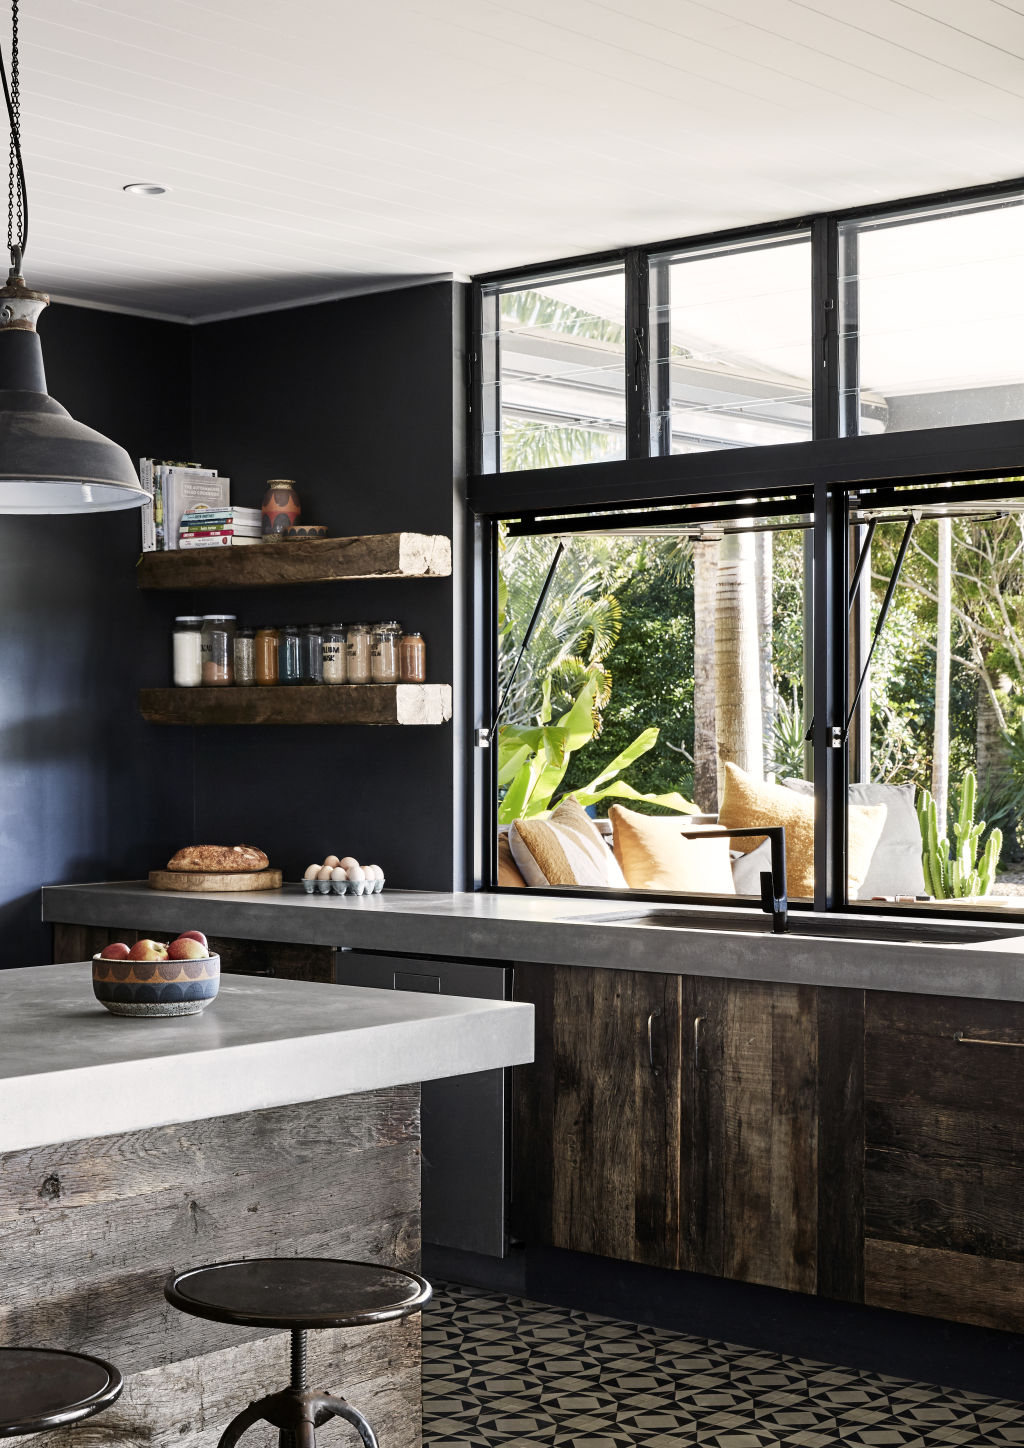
(748, 802)
(564, 849)
(655, 856)
(747, 869)
(508, 870)
(895, 867)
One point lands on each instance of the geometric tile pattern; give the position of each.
(499, 1372)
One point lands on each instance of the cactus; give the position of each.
(955, 874)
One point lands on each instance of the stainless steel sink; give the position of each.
(902, 932)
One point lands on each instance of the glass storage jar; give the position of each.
(289, 658)
(335, 671)
(245, 656)
(384, 654)
(412, 658)
(312, 653)
(218, 648)
(357, 650)
(266, 655)
(187, 651)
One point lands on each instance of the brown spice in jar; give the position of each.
(412, 659)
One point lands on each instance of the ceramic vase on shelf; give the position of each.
(281, 507)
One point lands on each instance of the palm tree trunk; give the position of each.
(943, 634)
(737, 666)
(763, 566)
(705, 765)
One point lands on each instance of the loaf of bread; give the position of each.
(219, 859)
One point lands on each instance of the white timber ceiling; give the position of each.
(325, 147)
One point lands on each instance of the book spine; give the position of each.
(159, 529)
(148, 521)
(211, 542)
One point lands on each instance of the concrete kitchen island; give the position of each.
(282, 1121)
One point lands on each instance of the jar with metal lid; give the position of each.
(384, 653)
(219, 648)
(335, 659)
(266, 655)
(312, 653)
(357, 652)
(412, 658)
(245, 656)
(187, 651)
(289, 657)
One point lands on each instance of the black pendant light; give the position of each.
(49, 463)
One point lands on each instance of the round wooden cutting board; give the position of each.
(212, 880)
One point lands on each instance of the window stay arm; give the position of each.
(884, 611)
(531, 629)
(862, 558)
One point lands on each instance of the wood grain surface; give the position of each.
(944, 1156)
(91, 1229)
(375, 704)
(311, 560)
(606, 1178)
(209, 880)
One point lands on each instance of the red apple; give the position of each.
(185, 948)
(116, 951)
(148, 950)
(194, 935)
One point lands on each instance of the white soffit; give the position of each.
(329, 146)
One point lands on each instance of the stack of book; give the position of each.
(208, 526)
(175, 488)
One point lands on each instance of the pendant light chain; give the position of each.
(14, 207)
(17, 194)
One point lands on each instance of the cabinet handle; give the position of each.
(650, 1040)
(698, 1021)
(963, 1040)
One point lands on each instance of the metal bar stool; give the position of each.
(41, 1389)
(295, 1294)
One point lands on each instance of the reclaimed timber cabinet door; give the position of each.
(944, 1158)
(693, 1123)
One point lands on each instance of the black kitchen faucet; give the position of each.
(774, 901)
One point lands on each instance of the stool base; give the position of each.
(296, 1413)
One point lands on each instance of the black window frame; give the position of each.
(835, 465)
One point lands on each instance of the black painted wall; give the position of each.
(85, 796)
(360, 401)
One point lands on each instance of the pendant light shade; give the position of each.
(49, 463)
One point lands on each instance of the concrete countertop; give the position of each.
(561, 930)
(70, 1070)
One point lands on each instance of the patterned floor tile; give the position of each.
(499, 1372)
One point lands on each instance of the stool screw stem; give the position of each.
(298, 1359)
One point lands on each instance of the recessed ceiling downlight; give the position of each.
(146, 188)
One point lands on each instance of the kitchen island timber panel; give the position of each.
(283, 1120)
(91, 1229)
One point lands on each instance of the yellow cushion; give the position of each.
(747, 803)
(567, 848)
(655, 856)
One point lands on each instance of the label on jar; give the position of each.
(335, 655)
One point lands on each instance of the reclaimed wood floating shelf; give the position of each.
(300, 704)
(313, 560)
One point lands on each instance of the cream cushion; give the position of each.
(749, 802)
(564, 849)
(654, 855)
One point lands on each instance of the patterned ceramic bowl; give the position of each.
(156, 987)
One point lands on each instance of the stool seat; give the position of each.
(297, 1292)
(41, 1389)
